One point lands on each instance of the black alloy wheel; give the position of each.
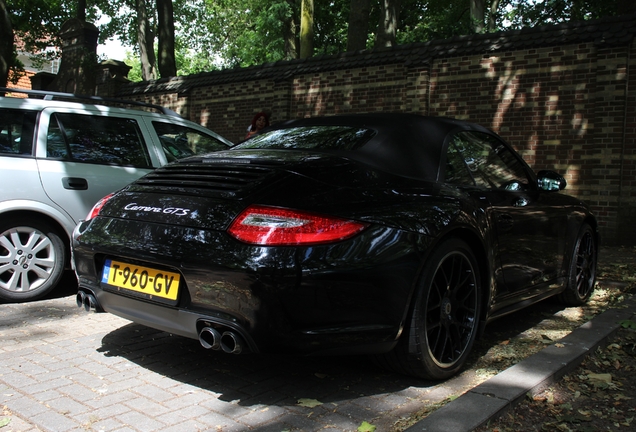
(582, 273)
(444, 322)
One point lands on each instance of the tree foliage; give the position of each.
(524, 13)
(36, 23)
(215, 34)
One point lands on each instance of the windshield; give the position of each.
(310, 138)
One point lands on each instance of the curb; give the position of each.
(495, 396)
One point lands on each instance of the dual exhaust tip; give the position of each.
(209, 337)
(87, 301)
(228, 341)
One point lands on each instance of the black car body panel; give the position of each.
(354, 295)
(277, 296)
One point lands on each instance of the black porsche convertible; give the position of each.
(394, 235)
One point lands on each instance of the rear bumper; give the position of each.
(172, 320)
(362, 339)
(348, 298)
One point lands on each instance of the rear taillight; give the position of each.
(270, 226)
(97, 207)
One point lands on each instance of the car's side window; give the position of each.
(456, 170)
(96, 139)
(16, 131)
(490, 162)
(181, 141)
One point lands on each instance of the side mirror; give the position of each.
(551, 181)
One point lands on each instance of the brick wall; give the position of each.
(626, 154)
(570, 106)
(563, 108)
(23, 83)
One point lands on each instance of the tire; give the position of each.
(582, 271)
(445, 316)
(32, 259)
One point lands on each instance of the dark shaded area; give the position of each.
(15, 317)
(253, 379)
(288, 377)
(66, 287)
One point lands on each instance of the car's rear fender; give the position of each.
(485, 260)
(576, 221)
(487, 263)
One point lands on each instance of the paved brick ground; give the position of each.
(62, 369)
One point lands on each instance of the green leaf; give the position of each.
(308, 403)
(628, 324)
(4, 421)
(366, 427)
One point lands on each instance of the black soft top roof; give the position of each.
(405, 144)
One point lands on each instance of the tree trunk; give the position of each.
(6, 44)
(81, 10)
(492, 22)
(307, 28)
(477, 11)
(290, 33)
(387, 26)
(358, 25)
(146, 42)
(165, 30)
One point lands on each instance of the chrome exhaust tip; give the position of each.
(79, 299)
(210, 338)
(86, 300)
(90, 302)
(231, 343)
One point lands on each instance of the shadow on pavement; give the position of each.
(510, 326)
(252, 379)
(66, 287)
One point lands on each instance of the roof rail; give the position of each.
(49, 95)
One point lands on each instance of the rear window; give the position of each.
(180, 141)
(96, 139)
(16, 131)
(310, 138)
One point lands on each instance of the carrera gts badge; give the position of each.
(177, 211)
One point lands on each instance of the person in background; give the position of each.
(259, 122)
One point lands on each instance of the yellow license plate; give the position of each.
(160, 283)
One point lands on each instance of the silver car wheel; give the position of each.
(29, 259)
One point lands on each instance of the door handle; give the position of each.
(74, 183)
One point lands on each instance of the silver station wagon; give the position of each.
(59, 155)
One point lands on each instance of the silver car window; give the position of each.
(16, 131)
(180, 141)
(96, 139)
